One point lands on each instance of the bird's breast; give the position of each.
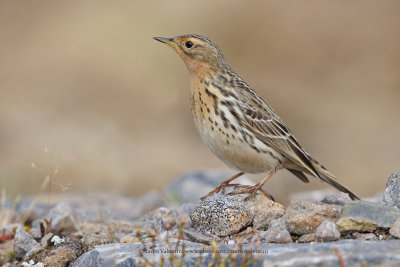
(219, 130)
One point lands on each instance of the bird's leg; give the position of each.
(222, 185)
(252, 190)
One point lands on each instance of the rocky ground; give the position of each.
(176, 229)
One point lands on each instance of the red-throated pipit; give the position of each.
(237, 125)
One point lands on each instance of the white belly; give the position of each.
(232, 148)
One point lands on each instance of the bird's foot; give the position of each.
(216, 190)
(252, 191)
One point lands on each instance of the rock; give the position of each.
(306, 238)
(23, 243)
(191, 186)
(160, 219)
(60, 253)
(97, 234)
(32, 213)
(197, 237)
(364, 216)
(265, 211)
(224, 215)
(184, 213)
(36, 234)
(354, 253)
(128, 254)
(46, 240)
(364, 236)
(62, 219)
(303, 217)
(9, 229)
(391, 196)
(314, 195)
(326, 232)
(339, 198)
(6, 252)
(395, 229)
(276, 233)
(92, 207)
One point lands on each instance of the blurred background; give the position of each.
(84, 86)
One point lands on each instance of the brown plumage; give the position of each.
(236, 123)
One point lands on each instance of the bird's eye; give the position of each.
(189, 44)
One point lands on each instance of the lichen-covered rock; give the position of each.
(391, 196)
(326, 232)
(61, 251)
(362, 216)
(303, 217)
(224, 214)
(395, 229)
(23, 243)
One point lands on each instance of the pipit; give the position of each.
(237, 125)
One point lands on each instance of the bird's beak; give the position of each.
(168, 41)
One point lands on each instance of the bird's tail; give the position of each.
(329, 178)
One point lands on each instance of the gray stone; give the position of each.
(35, 233)
(197, 237)
(45, 241)
(160, 219)
(364, 236)
(276, 233)
(94, 234)
(62, 219)
(395, 229)
(303, 217)
(191, 186)
(224, 214)
(391, 196)
(354, 253)
(364, 216)
(23, 243)
(339, 198)
(265, 211)
(308, 238)
(94, 207)
(184, 213)
(9, 229)
(326, 232)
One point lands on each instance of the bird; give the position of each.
(237, 125)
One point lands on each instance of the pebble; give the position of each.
(303, 217)
(362, 216)
(23, 243)
(326, 232)
(395, 229)
(391, 196)
(307, 238)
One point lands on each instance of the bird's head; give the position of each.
(199, 53)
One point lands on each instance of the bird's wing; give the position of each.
(268, 127)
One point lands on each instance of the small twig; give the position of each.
(340, 257)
